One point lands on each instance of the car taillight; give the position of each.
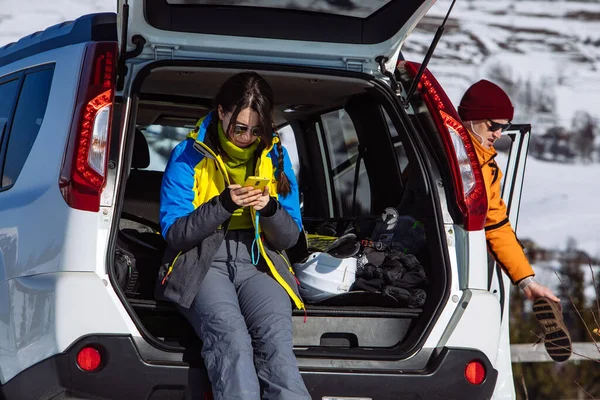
(89, 359)
(467, 178)
(83, 175)
(475, 373)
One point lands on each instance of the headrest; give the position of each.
(141, 152)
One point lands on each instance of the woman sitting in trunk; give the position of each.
(223, 265)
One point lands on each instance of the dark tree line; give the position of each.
(572, 379)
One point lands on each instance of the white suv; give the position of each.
(89, 111)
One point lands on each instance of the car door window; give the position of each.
(161, 140)
(8, 95)
(288, 141)
(343, 156)
(397, 142)
(28, 117)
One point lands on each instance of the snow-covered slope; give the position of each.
(553, 44)
(559, 201)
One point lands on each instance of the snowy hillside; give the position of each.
(559, 201)
(555, 45)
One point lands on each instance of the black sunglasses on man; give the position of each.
(494, 126)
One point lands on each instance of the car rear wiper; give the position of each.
(436, 39)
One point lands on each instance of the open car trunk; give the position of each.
(351, 152)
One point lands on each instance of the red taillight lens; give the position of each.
(89, 359)
(84, 171)
(475, 373)
(467, 178)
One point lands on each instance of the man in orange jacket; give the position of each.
(486, 111)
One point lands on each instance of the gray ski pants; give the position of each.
(244, 319)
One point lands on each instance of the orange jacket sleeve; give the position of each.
(501, 238)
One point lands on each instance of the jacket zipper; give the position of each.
(128, 261)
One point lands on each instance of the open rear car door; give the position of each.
(316, 33)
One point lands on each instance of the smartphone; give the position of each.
(257, 182)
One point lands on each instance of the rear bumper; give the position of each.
(124, 375)
(443, 378)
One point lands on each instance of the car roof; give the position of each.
(91, 27)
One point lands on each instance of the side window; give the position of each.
(8, 95)
(398, 145)
(288, 140)
(343, 153)
(161, 140)
(28, 117)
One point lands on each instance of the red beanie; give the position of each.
(485, 100)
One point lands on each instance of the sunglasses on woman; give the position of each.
(494, 126)
(240, 129)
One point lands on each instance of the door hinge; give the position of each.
(354, 64)
(164, 52)
(393, 83)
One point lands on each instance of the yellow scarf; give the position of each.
(239, 164)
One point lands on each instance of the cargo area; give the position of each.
(354, 157)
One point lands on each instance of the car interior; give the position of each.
(350, 151)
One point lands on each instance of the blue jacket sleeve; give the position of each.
(176, 193)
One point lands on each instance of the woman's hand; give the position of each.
(262, 201)
(244, 196)
(535, 290)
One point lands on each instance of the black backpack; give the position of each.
(137, 260)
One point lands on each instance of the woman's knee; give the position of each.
(221, 327)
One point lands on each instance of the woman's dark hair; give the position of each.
(250, 90)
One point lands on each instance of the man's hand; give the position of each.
(535, 290)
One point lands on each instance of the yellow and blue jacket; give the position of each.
(193, 221)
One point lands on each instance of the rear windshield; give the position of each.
(332, 21)
(348, 7)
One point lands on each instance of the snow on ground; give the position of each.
(559, 201)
